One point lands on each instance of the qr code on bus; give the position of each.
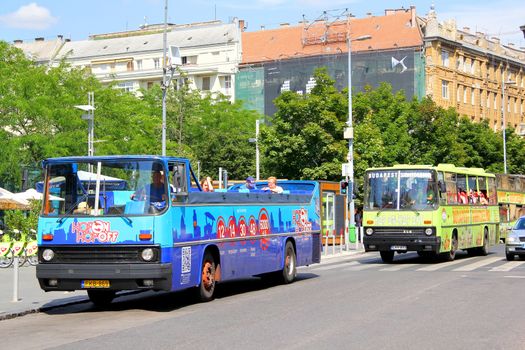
(186, 259)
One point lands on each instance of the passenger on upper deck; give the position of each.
(272, 185)
(249, 185)
(207, 185)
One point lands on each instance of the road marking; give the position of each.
(514, 276)
(335, 266)
(508, 266)
(398, 267)
(360, 267)
(435, 266)
(478, 264)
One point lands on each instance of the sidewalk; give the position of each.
(32, 299)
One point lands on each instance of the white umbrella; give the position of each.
(32, 195)
(9, 201)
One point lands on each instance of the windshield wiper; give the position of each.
(70, 210)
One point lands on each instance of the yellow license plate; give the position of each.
(95, 284)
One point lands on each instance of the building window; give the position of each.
(206, 83)
(488, 99)
(129, 66)
(515, 105)
(472, 66)
(184, 59)
(444, 58)
(156, 63)
(139, 64)
(495, 101)
(444, 89)
(126, 86)
(458, 94)
(472, 96)
(459, 63)
(465, 95)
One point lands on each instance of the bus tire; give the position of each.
(290, 264)
(451, 254)
(484, 250)
(510, 257)
(207, 285)
(387, 256)
(101, 298)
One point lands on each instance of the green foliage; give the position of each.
(22, 220)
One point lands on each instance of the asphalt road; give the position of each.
(350, 303)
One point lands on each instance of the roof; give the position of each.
(40, 50)
(397, 29)
(185, 37)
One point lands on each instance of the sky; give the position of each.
(76, 20)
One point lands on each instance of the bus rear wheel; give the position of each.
(387, 256)
(484, 250)
(207, 286)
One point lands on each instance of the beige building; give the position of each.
(473, 73)
(210, 54)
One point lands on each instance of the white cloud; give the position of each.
(29, 16)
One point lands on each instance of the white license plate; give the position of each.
(512, 249)
(398, 247)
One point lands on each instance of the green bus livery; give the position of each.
(429, 209)
(511, 200)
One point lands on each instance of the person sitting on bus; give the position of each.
(462, 197)
(272, 185)
(430, 194)
(249, 184)
(207, 185)
(482, 198)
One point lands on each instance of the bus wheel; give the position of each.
(484, 250)
(290, 262)
(510, 257)
(101, 298)
(207, 286)
(451, 255)
(387, 256)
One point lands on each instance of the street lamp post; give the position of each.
(349, 134)
(504, 126)
(164, 85)
(256, 140)
(90, 117)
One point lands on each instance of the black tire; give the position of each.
(207, 285)
(6, 260)
(484, 250)
(509, 256)
(387, 256)
(101, 298)
(451, 255)
(289, 271)
(22, 258)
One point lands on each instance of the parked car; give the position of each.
(515, 242)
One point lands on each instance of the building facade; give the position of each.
(384, 49)
(210, 54)
(474, 73)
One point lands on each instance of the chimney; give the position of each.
(39, 39)
(283, 25)
(413, 15)
(369, 14)
(466, 29)
(60, 37)
(18, 41)
(68, 40)
(241, 25)
(263, 27)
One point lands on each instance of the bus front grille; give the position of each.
(97, 254)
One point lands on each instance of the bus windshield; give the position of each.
(400, 189)
(105, 188)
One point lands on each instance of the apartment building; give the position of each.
(473, 72)
(386, 48)
(210, 54)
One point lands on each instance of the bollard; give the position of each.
(333, 242)
(15, 279)
(340, 243)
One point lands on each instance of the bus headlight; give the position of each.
(369, 231)
(147, 254)
(48, 254)
(428, 231)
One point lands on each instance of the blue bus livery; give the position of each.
(105, 238)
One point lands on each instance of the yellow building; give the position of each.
(466, 70)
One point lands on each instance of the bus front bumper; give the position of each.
(402, 244)
(69, 277)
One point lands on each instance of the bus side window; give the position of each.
(178, 177)
(442, 188)
(450, 183)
